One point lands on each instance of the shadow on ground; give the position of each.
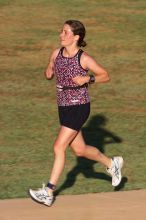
(95, 134)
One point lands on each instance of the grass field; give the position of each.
(116, 36)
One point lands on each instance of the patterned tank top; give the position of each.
(65, 69)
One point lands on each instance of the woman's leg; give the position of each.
(45, 194)
(80, 148)
(65, 136)
(114, 165)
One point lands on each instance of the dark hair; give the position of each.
(78, 29)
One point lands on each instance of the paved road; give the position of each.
(128, 205)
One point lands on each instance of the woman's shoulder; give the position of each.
(55, 53)
(85, 56)
(85, 59)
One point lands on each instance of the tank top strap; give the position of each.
(79, 54)
(61, 51)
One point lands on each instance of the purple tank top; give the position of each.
(65, 69)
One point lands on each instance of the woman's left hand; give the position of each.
(81, 80)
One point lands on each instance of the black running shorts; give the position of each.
(74, 116)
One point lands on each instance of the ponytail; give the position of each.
(82, 43)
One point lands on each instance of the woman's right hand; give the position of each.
(49, 73)
(50, 69)
(81, 80)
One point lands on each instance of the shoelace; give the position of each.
(115, 170)
(41, 190)
(41, 193)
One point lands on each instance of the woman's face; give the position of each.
(67, 37)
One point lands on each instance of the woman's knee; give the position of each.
(58, 149)
(63, 139)
(79, 151)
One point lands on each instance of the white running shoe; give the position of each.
(115, 170)
(41, 196)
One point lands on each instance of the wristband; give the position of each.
(92, 79)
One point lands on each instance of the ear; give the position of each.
(77, 37)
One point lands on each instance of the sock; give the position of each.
(51, 186)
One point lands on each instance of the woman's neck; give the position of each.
(70, 51)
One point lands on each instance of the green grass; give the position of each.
(29, 122)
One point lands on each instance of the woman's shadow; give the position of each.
(95, 134)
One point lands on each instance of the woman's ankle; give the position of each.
(51, 187)
(50, 192)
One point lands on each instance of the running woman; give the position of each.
(70, 65)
